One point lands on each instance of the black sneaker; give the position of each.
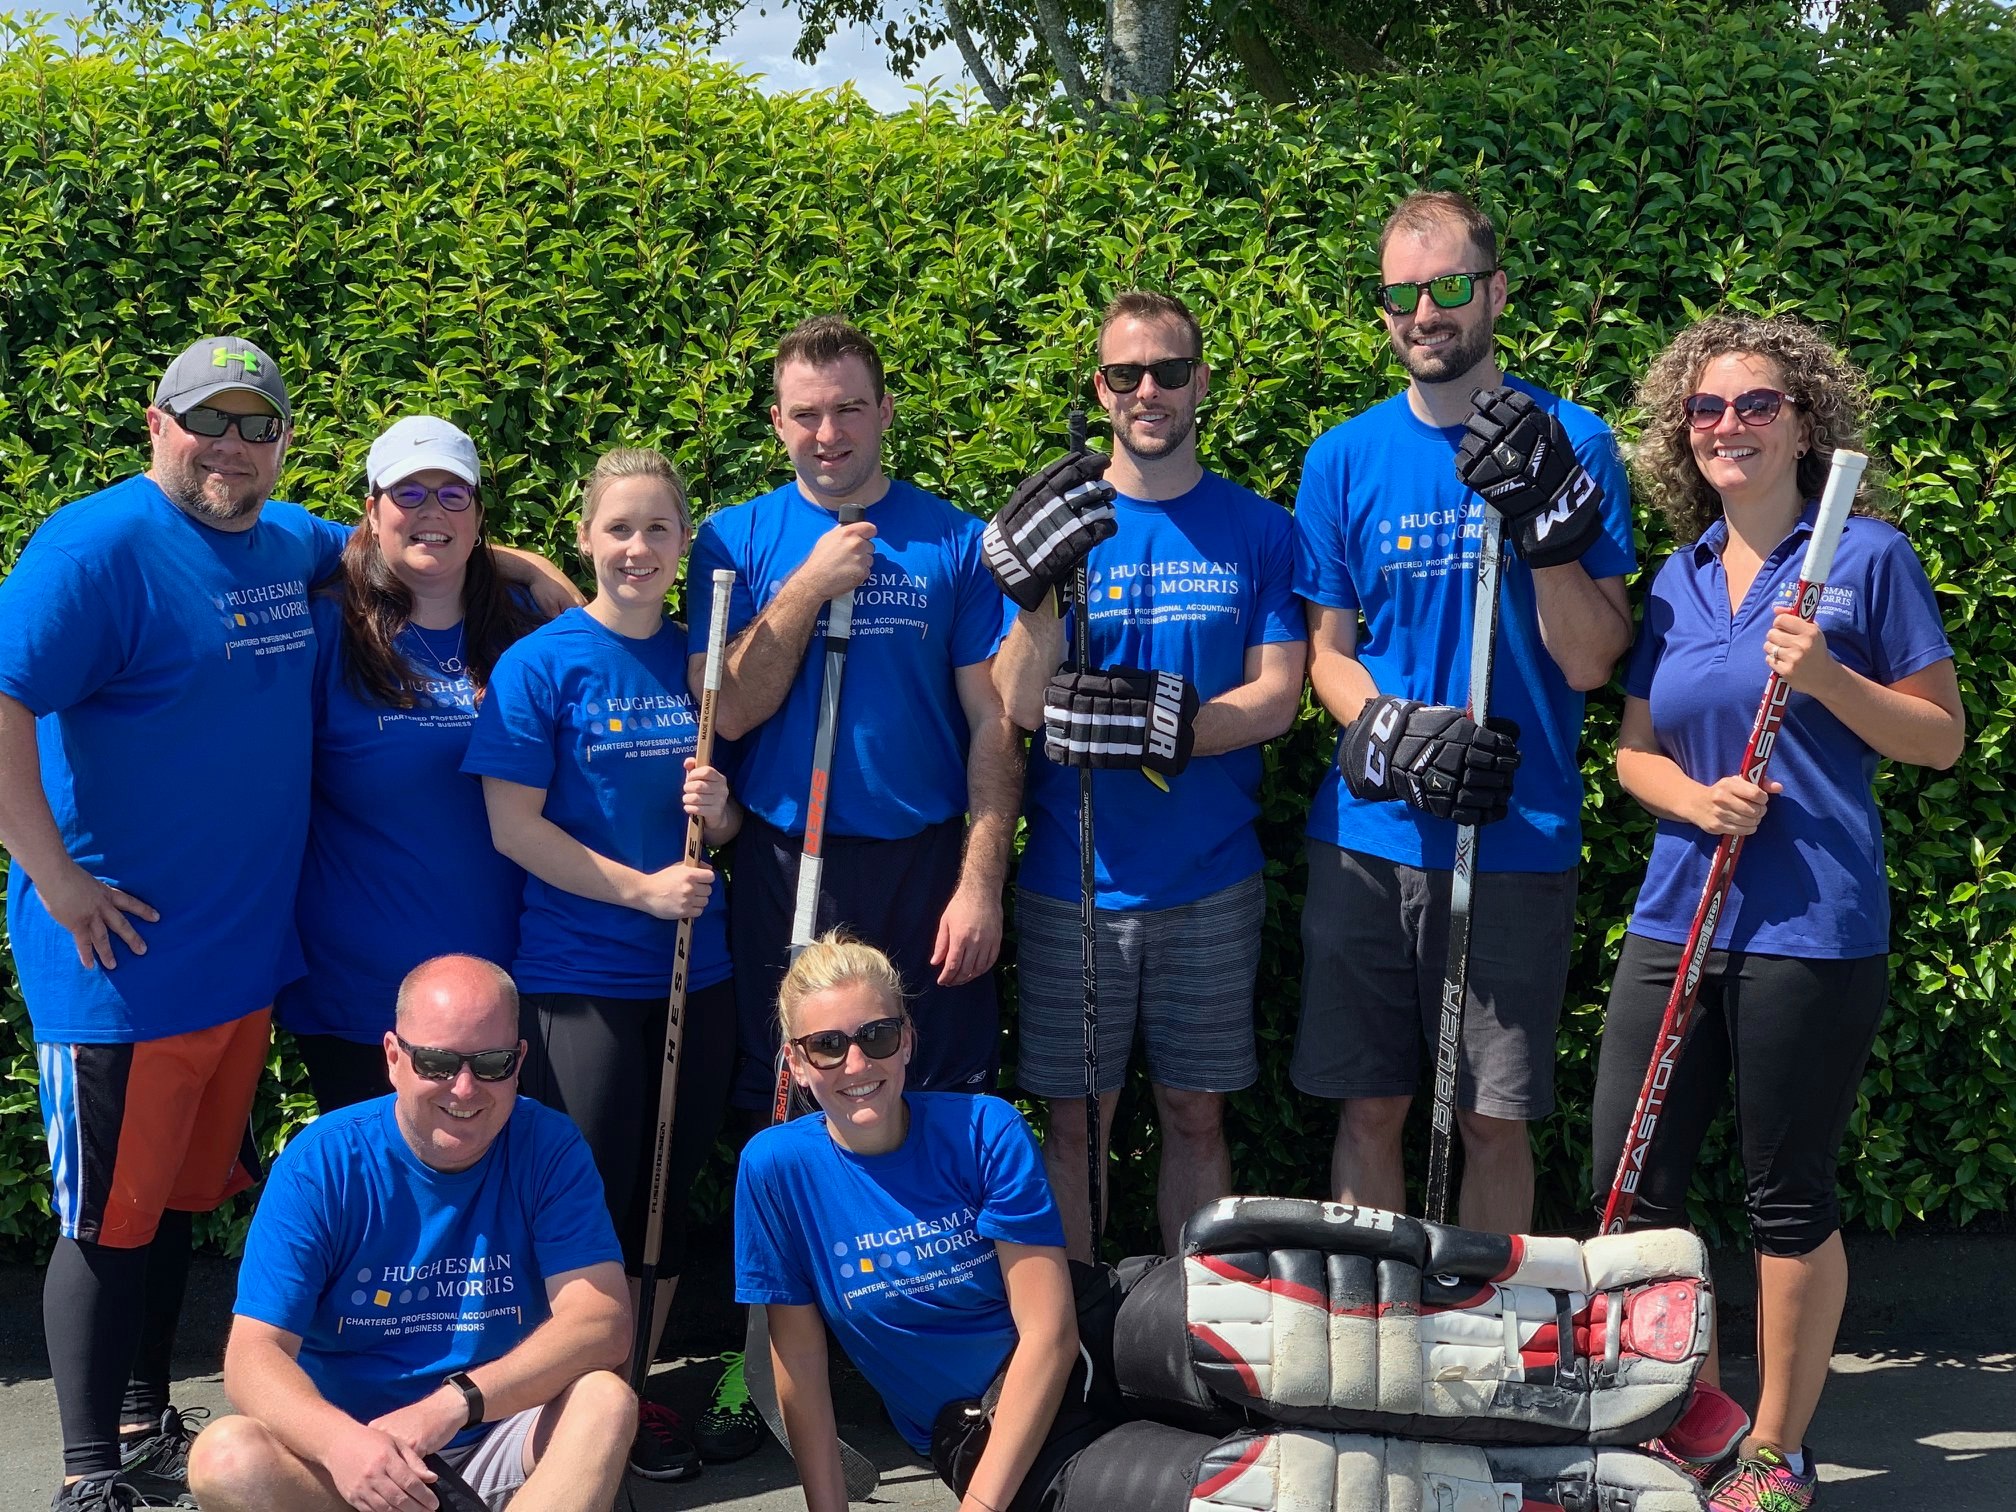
(157, 1466)
(662, 1450)
(96, 1493)
(731, 1429)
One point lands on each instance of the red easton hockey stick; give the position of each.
(1842, 480)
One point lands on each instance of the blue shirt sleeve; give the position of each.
(1612, 554)
(982, 614)
(1322, 575)
(1906, 634)
(769, 1248)
(289, 1249)
(514, 732)
(328, 539)
(61, 637)
(1277, 616)
(1016, 1203)
(1651, 638)
(711, 552)
(570, 1227)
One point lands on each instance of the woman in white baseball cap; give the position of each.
(400, 866)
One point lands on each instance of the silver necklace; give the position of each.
(453, 665)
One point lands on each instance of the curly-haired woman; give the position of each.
(1742, 420)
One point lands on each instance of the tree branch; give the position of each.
(1357, 55)
(1262, 65)
(976, 64)
(1057, 38)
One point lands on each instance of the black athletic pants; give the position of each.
(600, 1061)
(108, 1317)
(1794, 1035)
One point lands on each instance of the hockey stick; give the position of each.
(1456, 965)
(1088, 888)
(675, 1003)
(758, 1372)
(1842, 479)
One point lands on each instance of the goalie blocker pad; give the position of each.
(1150, 1467)
(1285, 1310)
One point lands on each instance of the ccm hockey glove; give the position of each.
(1049, 523)
(1121, 718)
(1517, 456)
(1433, 757)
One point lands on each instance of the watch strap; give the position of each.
(471, 1393)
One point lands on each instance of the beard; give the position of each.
(209, 497)
(1445, 364)
(1155, 448)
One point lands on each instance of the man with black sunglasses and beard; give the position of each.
(1196, 651)
(1386, 533)
(156, 669)
(431, 1283)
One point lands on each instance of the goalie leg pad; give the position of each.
(1146, 1467)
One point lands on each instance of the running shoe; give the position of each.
(731, 1429)
(157, 1466)
(1763, 1482)
(662, 1449)
(1702, 1444)
(1704, 1473)
(97, 1493)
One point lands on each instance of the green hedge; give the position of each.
(597, 245)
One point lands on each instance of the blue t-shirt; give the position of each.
(931, 605)
(896, 1250)
(604, 724)
(395, 1275)
(1384, 526)
(1187, 585)
(1811, 880)
(168, 665)
(400, 867)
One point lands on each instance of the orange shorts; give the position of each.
(136, 1129)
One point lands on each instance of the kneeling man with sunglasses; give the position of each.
(431, 1308)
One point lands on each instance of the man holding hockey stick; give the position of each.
(1196, 660)
(1384, 531)
(1742, 419)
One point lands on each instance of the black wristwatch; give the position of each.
(471, 1393)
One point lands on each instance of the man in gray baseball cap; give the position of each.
(156, 665)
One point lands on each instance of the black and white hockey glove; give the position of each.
(1433, 757)
(1049, 523)
(1518, 457)
(1121, 717)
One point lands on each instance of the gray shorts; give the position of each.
(1374, 937)
(1184, 974)
(494, 1466)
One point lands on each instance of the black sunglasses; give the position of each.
(1169, 373)
(453, 497)
(201, 420)
(446, 1065)
(1758, 406)
(878, 1038)
(1448, 291)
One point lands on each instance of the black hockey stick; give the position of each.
(1088, 886)
(758, 1370)
(1456, 965)
(675, 1004)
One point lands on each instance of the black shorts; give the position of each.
(1794, 1034)
(600, 1061)
(1375, 940)
(889, 893)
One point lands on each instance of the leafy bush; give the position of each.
(599, 244)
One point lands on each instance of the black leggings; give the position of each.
(342, 1071)
(600, 1060)
(1794, 1033)
(108, 1318)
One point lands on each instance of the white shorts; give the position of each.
(494, 1466)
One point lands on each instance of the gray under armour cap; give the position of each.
(215, 365)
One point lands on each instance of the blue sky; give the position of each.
(759, 43)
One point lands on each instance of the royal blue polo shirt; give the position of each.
(1810, 882)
